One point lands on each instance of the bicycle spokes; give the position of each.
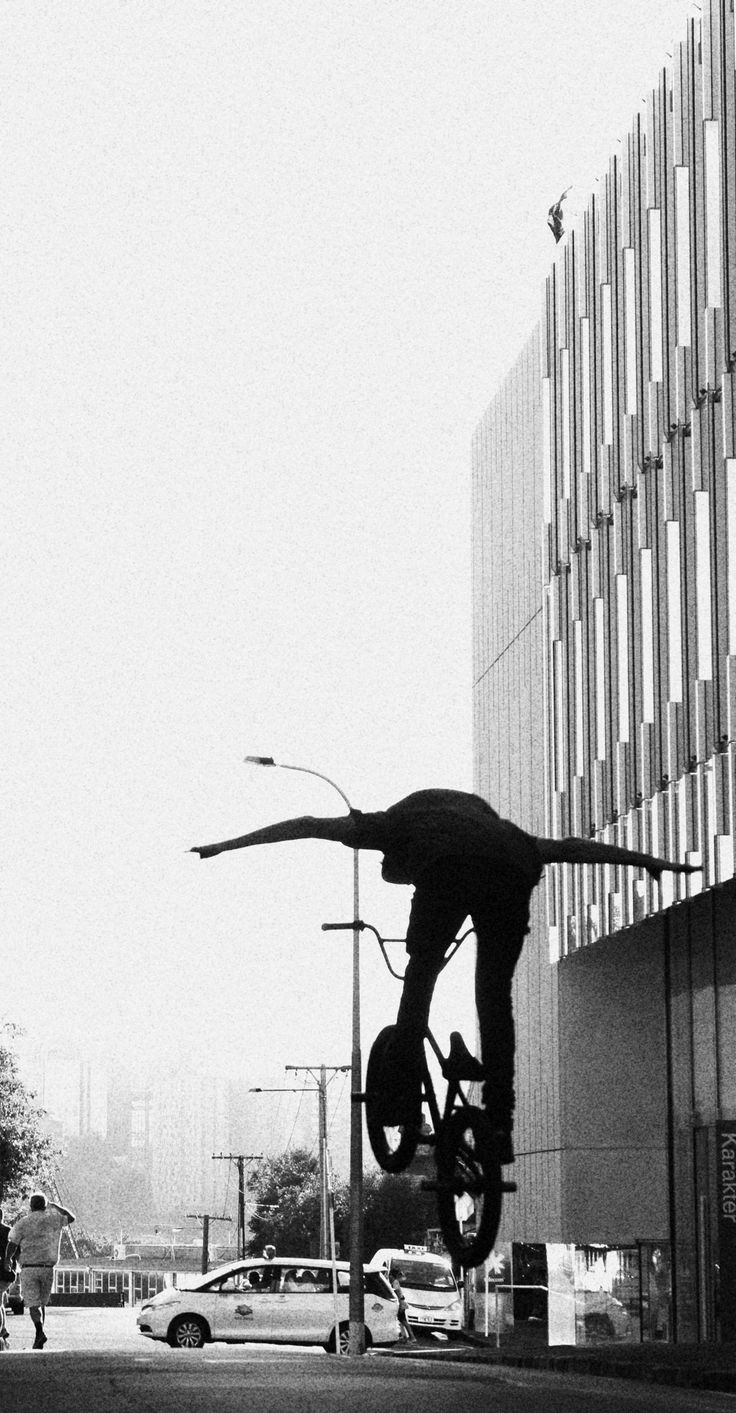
(469, 1186)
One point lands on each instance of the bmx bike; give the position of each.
(460, 1135)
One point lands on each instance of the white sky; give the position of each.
(264, 265)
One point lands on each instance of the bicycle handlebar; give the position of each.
(356, 926)
(359, 926)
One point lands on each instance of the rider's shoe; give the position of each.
(460, 1064)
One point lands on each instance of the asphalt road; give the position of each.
(96, 1362)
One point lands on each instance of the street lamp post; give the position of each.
(356, 1309)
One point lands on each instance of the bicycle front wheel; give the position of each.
(468, 1167)
(393, 1128)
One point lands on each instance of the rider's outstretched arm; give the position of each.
(583, 851)
(341, 830)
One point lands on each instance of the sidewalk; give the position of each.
(705, 1366)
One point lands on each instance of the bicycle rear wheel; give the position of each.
(394, 1143)
(467, 1166)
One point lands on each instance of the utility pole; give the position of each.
(324, 1199)
(205, 1218)
(241, 1159)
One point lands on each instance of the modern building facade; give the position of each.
(605, 706)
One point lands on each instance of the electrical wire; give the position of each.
(296, 1120)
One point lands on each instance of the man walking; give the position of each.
(463, 860)
(37, 1237)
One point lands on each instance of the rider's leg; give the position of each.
(501, 923)
(438, 910)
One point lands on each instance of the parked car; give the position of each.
(602, 1317)
(433, 1299)
(13, 1298)
(287, 1300)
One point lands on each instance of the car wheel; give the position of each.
(187, 1332)
(345, 1339)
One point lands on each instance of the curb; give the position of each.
(680, 1375)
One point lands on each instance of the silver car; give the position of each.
(288, 1300)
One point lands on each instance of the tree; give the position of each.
(285, 1191)
(396, 1211)
(27, 1154)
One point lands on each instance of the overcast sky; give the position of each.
(264, 265)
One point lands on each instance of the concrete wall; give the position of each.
(613, 1082)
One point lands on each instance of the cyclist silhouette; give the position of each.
(463, 860)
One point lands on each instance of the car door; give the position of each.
(303, 1306)
(242, 1305)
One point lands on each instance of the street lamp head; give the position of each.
(259, 760)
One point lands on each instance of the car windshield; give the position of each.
(423, 1275)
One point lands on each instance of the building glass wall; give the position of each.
(605, 692)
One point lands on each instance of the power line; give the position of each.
(240, 1159)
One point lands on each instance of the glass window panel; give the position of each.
(630, 306)
(713, 214)
(559, 718)
(585, 372)
(682, 233)
(600, 679)
(731, 513)
(607, 367)
(546, 452)
(579, 715)
(674, 611)
(725, 858)
(647, 637)
(655, 295)
(702, 578)
(622, 623)
(565, 420)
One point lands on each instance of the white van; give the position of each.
(433, 1299)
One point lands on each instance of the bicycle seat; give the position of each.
(460, 1064)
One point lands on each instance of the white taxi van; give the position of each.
(433, 1298)
(286, 1300)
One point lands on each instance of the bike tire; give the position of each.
(394, 1145)
(467, 1164)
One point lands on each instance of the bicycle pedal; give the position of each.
(509, 1187)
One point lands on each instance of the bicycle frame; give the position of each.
(454, 1092)
(465, 1159)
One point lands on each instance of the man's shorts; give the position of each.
(36, 1283)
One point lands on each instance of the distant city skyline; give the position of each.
(190, 1116)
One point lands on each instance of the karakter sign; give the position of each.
(726, 1182)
